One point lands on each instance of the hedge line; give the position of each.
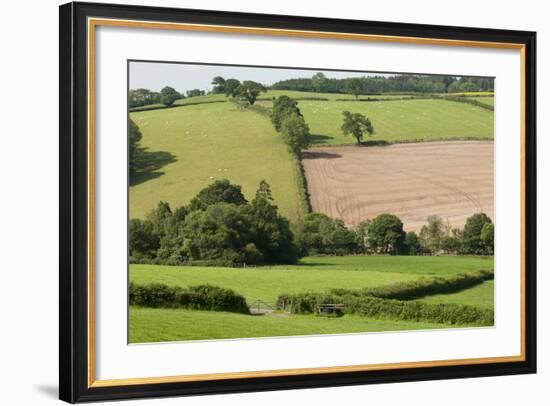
(265, 111)
(305, 197)
(445, 313)
(460, 99)
(468, 100)
(157, 107)
(422, 287)
(396, 301)
(201, 297)
(174, 262)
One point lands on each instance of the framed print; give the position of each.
(259, 202)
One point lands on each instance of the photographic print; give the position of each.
(268, 202)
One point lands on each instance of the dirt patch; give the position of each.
(413, 181)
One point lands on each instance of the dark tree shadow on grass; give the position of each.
(147, 165)
(319, 139)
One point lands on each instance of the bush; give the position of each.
(202, 297)
(153, 295)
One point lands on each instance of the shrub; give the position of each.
(201, 297)
(153, 295)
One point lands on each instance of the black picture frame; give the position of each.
(73, 283)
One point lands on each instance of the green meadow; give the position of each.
(202, 138)
(157, 325)
(200, 143)
(312, 274)
(400, 120)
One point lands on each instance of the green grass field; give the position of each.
(313, 274)
(487, 100)
(157, 325)
(193, 145)
(480, 296)
(401, 120)
(208, 142)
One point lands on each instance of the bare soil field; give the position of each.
(453, 179)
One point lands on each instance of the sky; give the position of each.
(182, 77)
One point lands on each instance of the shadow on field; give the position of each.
(148, 165)
(314, 264)
(374, 143)
(319, 155)
(319, 139)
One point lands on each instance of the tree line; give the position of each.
(220, 227)
(167, 96)
(249, 90)
(387, 84)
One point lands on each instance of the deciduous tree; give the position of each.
(357, 125)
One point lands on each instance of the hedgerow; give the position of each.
(416, 310)
(201, 297)
(396, 301)
(422, 287)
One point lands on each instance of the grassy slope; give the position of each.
(402, 120)
(154, 325)
(315, 274)
(480, 295)
(207, 141)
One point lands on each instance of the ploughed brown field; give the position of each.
(452, 179)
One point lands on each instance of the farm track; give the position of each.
(413, 181)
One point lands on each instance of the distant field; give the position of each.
(157, 325)
(313, 274)
(400, 120)
(197, 144)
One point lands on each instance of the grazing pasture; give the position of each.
(312, 274)
(399, 120)
(453, 180)
(194, 145)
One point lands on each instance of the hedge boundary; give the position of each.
(153, 107)
(201, 297)
(423, 287)
(399, 301)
